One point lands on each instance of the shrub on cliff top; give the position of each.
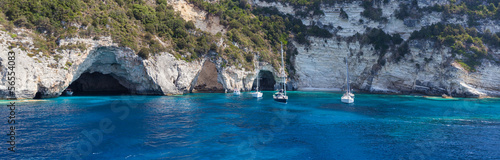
(408, 11)
(401, 52)
(371, 12)
(379, 39)
(144, 53)
(343, 14)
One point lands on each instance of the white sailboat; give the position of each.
(281, 95)
(348, 97)
(257, 93)
(68, 92)
(236, 92)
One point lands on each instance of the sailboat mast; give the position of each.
(258, 79)
(283, 69)
(258, 82)
(347, 78)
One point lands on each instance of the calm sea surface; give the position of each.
(313, 125)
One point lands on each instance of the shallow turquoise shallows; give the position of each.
(313, 125)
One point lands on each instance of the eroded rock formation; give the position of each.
(426, 69)
(162, 74)
(207, 79)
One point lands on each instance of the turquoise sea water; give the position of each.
(313, 125)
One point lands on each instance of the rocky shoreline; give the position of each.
(316, 69)
(162, 74)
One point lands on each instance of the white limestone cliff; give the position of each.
(320, 66)
(200, 18)
(425, 70)
(161, 74)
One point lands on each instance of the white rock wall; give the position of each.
(173, 76)
(425, 70)
(322, 65)
(232, 78)
(352, 25)
(160, 74)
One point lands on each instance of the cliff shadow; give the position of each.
(207, 82)
(266, 81)
(97, 84)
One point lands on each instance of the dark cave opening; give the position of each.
(97, 84)
(266, 81)
(38, 95)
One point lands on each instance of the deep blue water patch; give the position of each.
(313, 125)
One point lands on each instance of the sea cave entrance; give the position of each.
(97, 84)
(207, 80)
(266, 81)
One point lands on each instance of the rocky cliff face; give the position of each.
(233, 78)
(322, 65)
(357, 23)
(50, 75)
(161, 74)
(200, 18)
(426, 69)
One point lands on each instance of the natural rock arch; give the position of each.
(113, 70)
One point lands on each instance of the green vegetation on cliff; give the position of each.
(260, 29)
(371, 12)
(408, 11)
(59, 19)
(149, 27)
(466, 42)
(474, 9)
(305, 8)
(379, 39)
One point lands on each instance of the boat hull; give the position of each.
(257, 94)
(280, 98)
(347, 100)
(68, 93)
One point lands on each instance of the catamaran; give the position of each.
(348, 97)
(281, 95)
